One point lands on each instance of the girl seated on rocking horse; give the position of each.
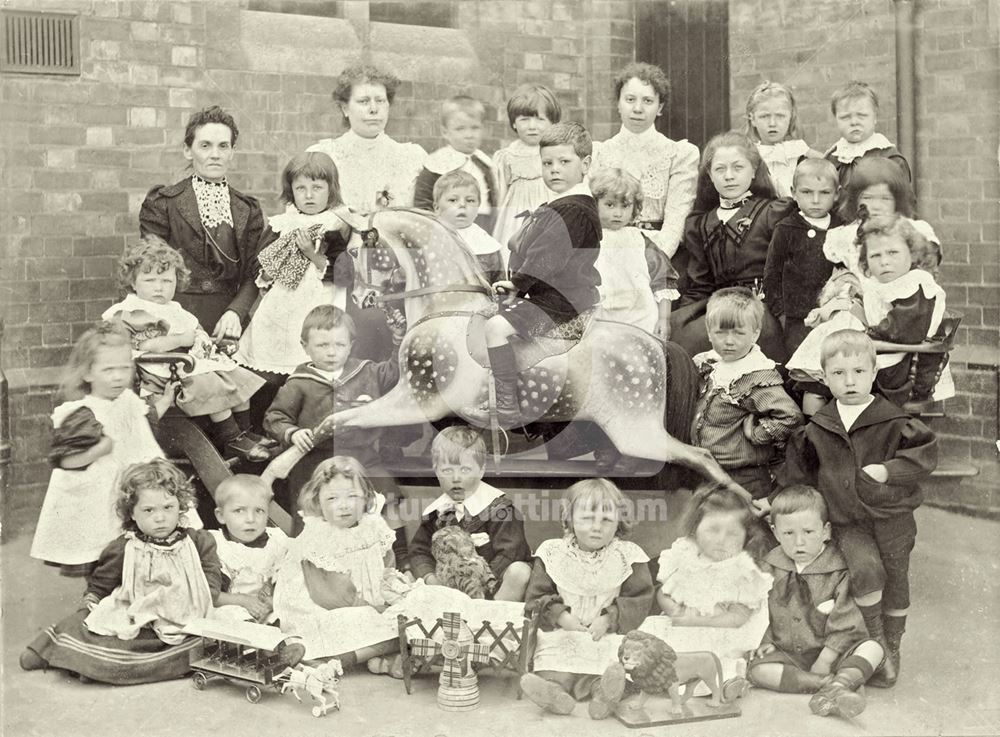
(553, 279)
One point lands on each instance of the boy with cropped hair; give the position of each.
(816, 641)
(867, 458)
(797, 268)
(462, 130)
(485, 512)
(553, 277)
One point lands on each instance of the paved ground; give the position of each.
(949, 684)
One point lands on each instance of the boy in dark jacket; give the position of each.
(553, 277)
(816, 642)
(334, 380)
(867, 458)
(485, 512)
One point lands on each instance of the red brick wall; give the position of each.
(81, 152)
(816, 46)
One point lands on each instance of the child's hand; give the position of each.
(748, 427)
(505, 290)
(762, 507)
(303, 439)
(662, 329)
(569, 622)
(431, 580)
(877, 471)
(185, 339)
(599, 627)
(305, 243)
(258, 608)
(834, 306)
(166, 400)
(765, 649)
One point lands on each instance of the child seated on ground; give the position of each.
(710, 585)
(590, 581)
(867, 458)
(333, 380)
(100, 429)
(743, 415)
(817, 642)
(341, 560)
(486, 513)
(855, 109)
(151, 272)
(249, 551)
(797, 268)
(148, 583)
(456, 201)
(462, 130)
(638, 283)
(900, 303)
(553, 280)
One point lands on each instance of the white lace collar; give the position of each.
(724, 374)
(846, 152)
(519, 148)
(482, 497)
(782, 150)
(332, 548)
(650, 135)
(478, 240)
(878, 297)
(448, 158)
(589, 573)
(214, 204)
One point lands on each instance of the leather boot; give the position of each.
(887, 675)
(841, 696)
(504, 369)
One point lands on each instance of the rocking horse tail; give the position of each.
(682, 392)
(281, 466)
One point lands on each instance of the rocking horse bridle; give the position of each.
(370, 239)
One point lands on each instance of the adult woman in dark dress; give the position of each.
(216, 227)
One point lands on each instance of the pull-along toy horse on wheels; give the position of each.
(615, 374)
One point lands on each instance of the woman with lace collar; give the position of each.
(212, 224)
(375, 170)
(666, 169)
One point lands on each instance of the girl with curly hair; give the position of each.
(147, 585)
(151, 272)
(100, 428)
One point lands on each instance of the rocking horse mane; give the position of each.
(441, 258)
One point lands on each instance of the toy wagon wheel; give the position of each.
(253, 694)
(317, 712)
(199, 680)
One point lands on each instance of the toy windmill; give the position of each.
(458, 688)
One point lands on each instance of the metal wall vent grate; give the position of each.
(39, 43)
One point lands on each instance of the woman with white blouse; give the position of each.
(375, 170)
(666, 169)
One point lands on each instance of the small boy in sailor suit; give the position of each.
(485, 512)
(462, 129)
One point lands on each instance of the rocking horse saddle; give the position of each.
(528, 353)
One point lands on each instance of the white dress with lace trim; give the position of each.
(781, 159)
(368, 167)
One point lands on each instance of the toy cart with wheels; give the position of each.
(243, 653)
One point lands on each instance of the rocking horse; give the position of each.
(615, 375)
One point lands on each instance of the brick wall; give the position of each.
(816, 46)
(81, 152)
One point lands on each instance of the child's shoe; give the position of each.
(546, 694)
(735, 688)
(887, 674)
(607, 693)
(391, 666)
(248, 449)
(841, 696)
(30, 660)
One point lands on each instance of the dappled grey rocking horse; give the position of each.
(615, 375)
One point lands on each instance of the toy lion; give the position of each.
(654, 667)
(459, 566)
